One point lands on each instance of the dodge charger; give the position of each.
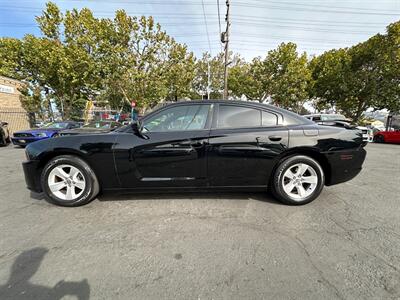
(199, 145)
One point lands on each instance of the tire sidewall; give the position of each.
(380, 139)
(284, 166)
(89, 190)
(3, 141)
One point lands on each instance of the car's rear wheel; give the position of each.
(298, 180)
(379, 138)
(69, 181)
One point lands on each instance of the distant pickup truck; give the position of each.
(338, 120)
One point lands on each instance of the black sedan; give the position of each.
(219, 145)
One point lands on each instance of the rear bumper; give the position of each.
(345, 165)
(32, 178)
(23, 141)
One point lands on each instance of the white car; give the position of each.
(340, 121)
(367, 133)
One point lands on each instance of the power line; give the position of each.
(219, 23)
(240, 3)
(270, 5)
(322, 6)
(209, 47)
(205, 23)
(226, 38)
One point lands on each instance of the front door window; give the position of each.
(178, 118)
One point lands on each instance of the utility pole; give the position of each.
(225, 40)
(208, 79)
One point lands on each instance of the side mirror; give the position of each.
(137, 128)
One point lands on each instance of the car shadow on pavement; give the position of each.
(19, 287)
(187, 195)
(203, 195)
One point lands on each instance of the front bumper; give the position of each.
(23, 141)
(32, 178)
(345, 165)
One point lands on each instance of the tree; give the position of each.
(179, 72)
(287, 76)
(361, 77)
(247, 79)
(214, 66)
(10, 56)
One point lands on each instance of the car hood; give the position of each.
(38, 130)
(86, 131)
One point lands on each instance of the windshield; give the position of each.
(333, 118)
(58, 125)
(105, 125)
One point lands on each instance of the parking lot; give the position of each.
(343, 245)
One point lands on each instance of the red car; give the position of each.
(387, 137)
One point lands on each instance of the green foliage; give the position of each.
(214, 66)
(10, 55)
(247, 79)
(287, 76)
(127, 58)
(283, 76)
(360, 77)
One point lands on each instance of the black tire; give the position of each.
(278, 179)
(379, 138)
(8, 139)
(90, 190)
(3, 140)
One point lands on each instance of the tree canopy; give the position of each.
(79, 57)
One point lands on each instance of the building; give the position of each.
(11, 110)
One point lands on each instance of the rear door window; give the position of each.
(231, 116)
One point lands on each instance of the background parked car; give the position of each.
(4, 134)
(23, 137)
(92, 128)
(387, 137)
(338, 120)
(391, 132)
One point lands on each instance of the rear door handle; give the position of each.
(275, 138)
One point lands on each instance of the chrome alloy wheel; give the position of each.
(299, 181)
(66, 182)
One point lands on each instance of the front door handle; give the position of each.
(275, 138)
(194, 144)
(197, 144)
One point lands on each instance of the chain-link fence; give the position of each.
(17, 118)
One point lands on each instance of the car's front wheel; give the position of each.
(298, 180)
(379, 138)
(69, 181)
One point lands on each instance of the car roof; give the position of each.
(240, 102)
(314, 115)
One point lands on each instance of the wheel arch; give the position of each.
(52, 154)
(307, 151)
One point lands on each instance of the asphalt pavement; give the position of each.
(344, 245)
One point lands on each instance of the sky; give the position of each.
(257, 25)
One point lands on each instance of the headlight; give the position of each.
(41, 134)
